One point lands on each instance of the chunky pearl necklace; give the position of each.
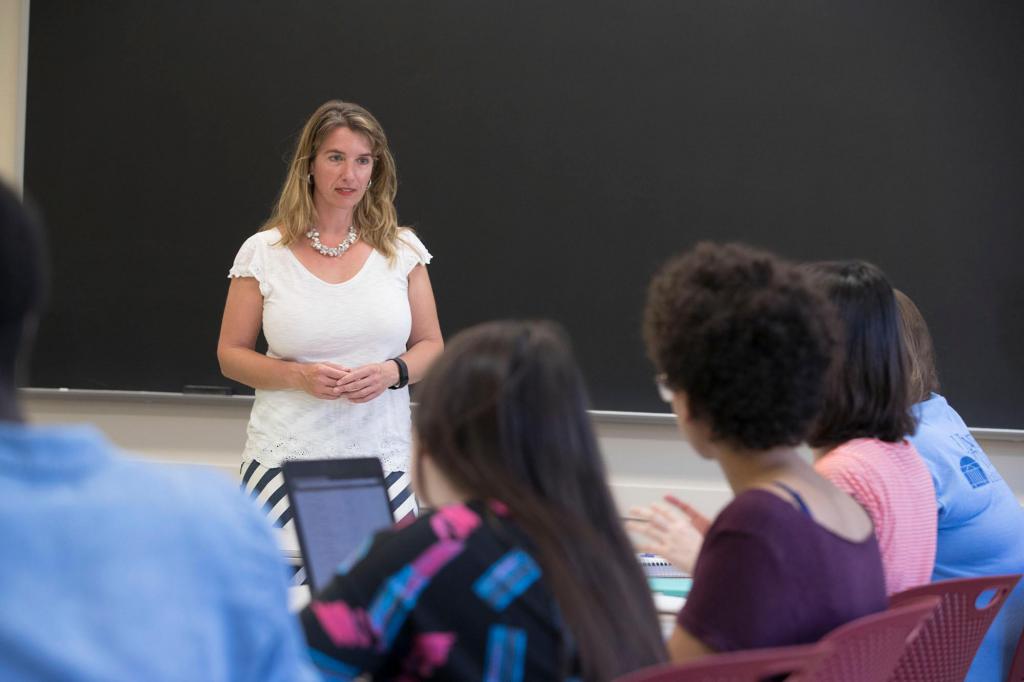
(332, 251)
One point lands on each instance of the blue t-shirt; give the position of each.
(981, 524)
(115, 569)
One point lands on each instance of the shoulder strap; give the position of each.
(796, 497)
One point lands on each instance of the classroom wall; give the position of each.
(646, 456)
(645, 460)
(13, 63)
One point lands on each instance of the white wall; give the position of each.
(645, 460)
(646, 457)
(13, 62)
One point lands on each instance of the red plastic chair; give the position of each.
(737, 666)
(945, 646)
(869, 648)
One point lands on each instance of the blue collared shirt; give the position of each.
(117, 569)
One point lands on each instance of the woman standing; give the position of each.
(345, 303)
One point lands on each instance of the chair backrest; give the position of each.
(754, 665)
(870, 647)
(946, 644)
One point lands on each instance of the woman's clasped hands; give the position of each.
(674, 531)
(330, 381)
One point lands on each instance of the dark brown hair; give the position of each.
(23, 280)
(746, 337)
(503, 415)
(866, 395)
(922, 377)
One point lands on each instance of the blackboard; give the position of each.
(550, 154)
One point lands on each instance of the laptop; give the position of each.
(336, 504)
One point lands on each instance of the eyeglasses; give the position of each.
(666, 393)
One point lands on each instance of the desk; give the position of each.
(668, 608)
(298, 597)
(288, 543)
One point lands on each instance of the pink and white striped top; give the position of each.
(892, 483)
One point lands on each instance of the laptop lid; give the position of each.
(336, 505)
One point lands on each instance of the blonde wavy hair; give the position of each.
(375, 216)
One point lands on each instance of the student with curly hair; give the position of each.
(860, 437)
(743, 345)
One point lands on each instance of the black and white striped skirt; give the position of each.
(266, 486)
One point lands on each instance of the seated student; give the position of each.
(981, 524)
(860, 437)
(743, 345)
(523, 570)
(116, 569)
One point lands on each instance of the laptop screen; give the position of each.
(334, 514)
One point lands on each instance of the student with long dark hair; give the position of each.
(860, 437)
(743, 344)
(522, 571)
(981, 524)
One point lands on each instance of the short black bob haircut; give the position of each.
(23, 276)
(745, 335)
(866, 396)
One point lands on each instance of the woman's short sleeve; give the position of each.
(411, 252)
(250, 262)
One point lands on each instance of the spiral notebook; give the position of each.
(657, 567)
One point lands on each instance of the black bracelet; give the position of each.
(403, 374)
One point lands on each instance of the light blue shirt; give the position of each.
(981, 524)
(114, 569)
